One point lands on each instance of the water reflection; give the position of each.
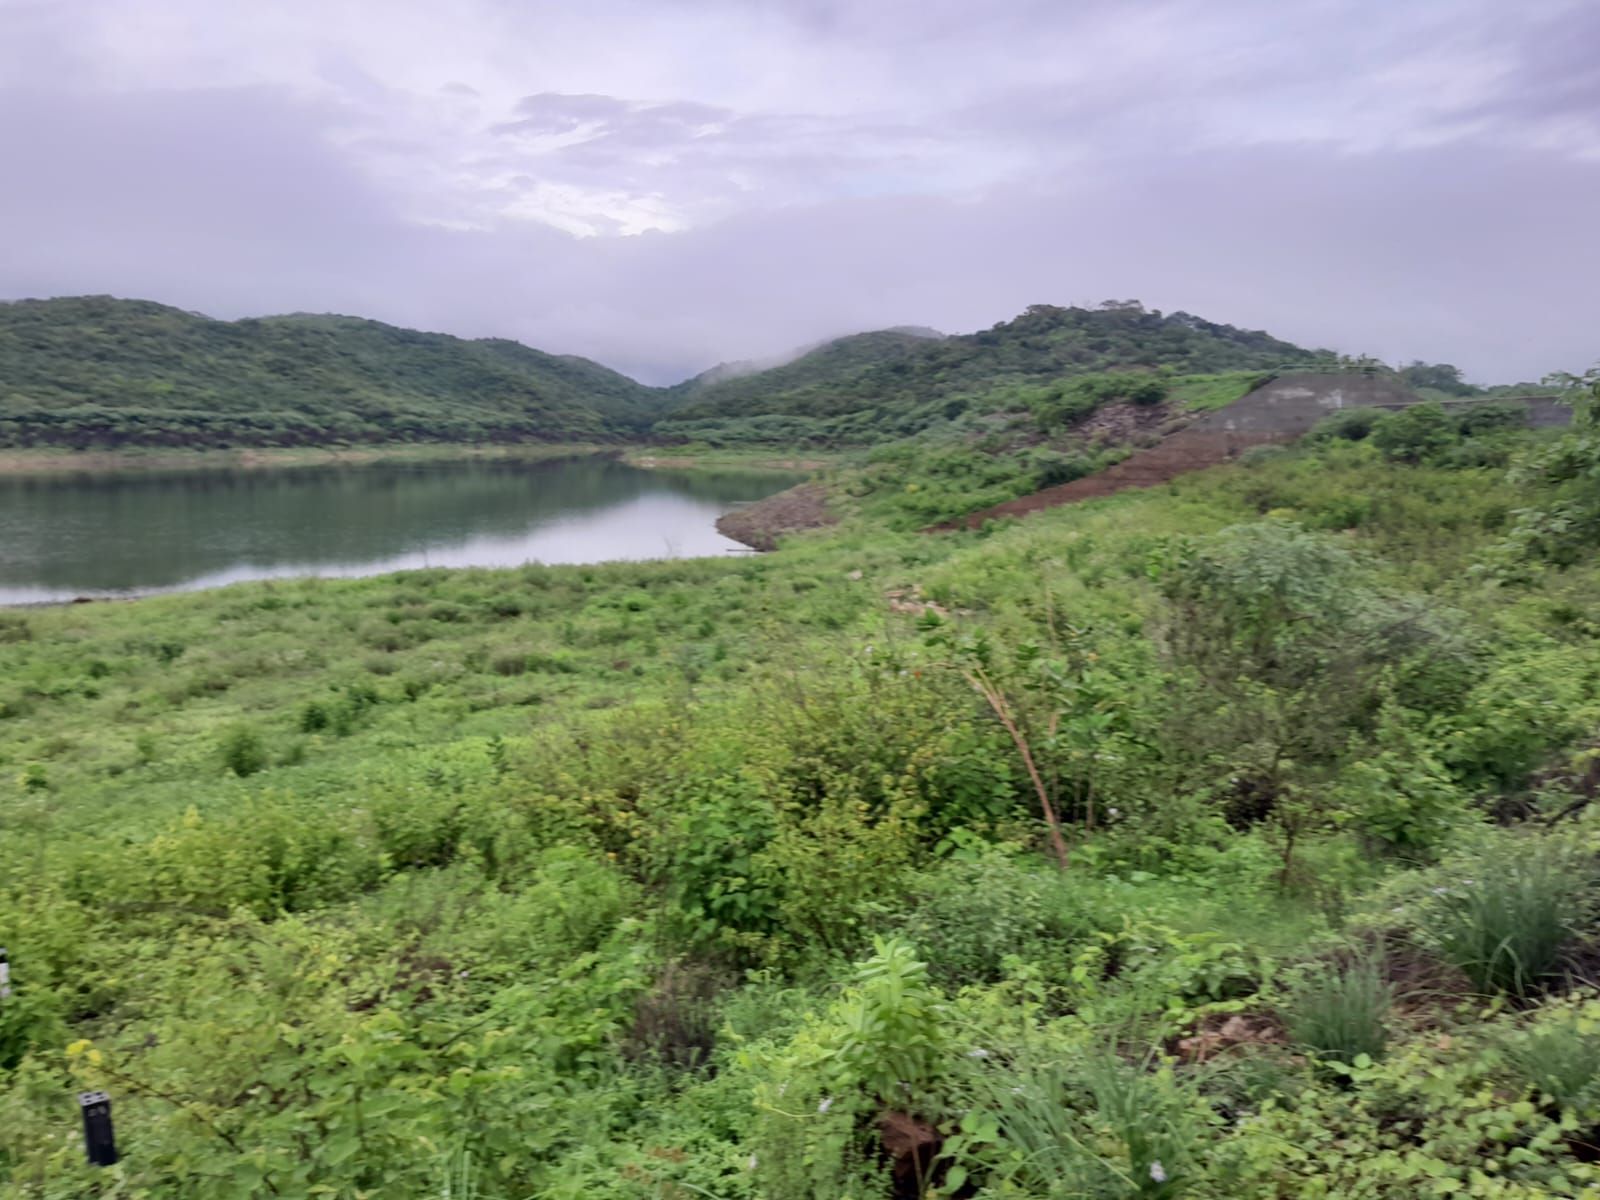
(100, 534)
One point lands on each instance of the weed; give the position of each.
(1507, 927)
(1340, 1012)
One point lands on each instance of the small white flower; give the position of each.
(1115, 812)
(1158, 1172)
(752, 1163)
(1441, 891)
(977, 1054)
(827, 1103)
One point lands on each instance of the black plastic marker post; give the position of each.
(99, 1140)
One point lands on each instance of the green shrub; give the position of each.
(882, 1043)
(1051, 468)
(243, 752)
(1431, 1119)
(1490, 416)
(313, 717)
(1415, 434)
(511, 662)
(1348, 424)
(969, 916)
(705, 859)
(30, 1018)
(1401, 796)
(1341, 1011)
(1076, 398)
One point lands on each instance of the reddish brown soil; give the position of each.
(1185, 451)
(911, 1147)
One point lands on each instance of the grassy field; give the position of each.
(1223, 840)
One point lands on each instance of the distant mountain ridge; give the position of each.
(96, 370)
(744, 368)
(1045, 342)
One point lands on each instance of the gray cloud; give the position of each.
(663, 186)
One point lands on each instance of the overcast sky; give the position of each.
(663, 184)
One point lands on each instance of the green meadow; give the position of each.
(1230, 839)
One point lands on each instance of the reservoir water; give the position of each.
(109, 534)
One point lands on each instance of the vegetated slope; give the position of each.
(1282, 410)
(549, 881)
(101, 371)
(890, 384)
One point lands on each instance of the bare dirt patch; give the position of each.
(761, 524)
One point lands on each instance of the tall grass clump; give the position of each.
(1507, 927)
(1097, 1127)
(1342, 1012)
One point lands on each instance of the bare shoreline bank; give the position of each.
(16, 462)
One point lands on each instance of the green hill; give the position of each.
(872, 385)
(97, 371)
(101, 371)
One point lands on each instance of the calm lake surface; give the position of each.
(96, 534)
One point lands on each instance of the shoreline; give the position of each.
(53, 461)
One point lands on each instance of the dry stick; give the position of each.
(998, 703)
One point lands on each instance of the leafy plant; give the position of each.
(1559, 1057)
(890, 1027)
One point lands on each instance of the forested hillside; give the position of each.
(99, 371)
(871, 386)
